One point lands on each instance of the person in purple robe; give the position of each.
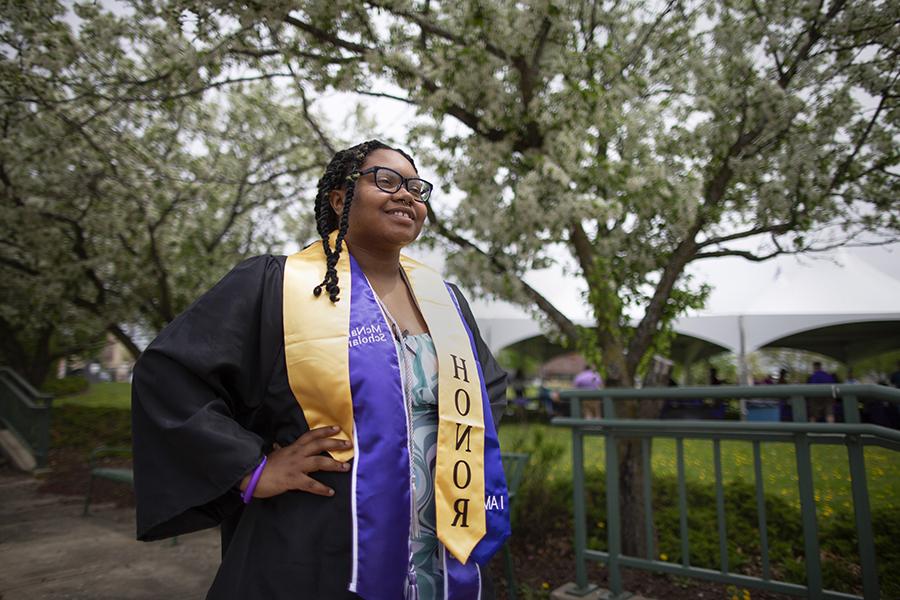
(589, 379)
(820, 409)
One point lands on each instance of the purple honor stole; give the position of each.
(363, 393)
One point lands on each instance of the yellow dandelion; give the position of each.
(545, 585)
(663, 557)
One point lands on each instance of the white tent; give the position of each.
(842, 307)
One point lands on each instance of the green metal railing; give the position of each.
(852, 433)
(26, 413)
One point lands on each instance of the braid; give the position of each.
(341, 172)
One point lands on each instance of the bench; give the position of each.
(120, 475)
(117, 474)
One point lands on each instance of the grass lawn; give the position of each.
(830, 465)
(100, 395)
(831, 470)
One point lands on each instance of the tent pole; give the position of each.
(743, 369)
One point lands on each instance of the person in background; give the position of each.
(895, 376)
(882, 412)
(548, 398)
(716, 407)
(519, 398)
(783, 377)
(787, 411)
(819, 375)
(589, 379)
(820, 409)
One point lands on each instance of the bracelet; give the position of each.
(247, 496)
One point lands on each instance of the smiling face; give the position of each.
(379, 220)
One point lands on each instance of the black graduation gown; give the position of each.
(210, 396)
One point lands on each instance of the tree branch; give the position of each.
(429, 26)
(584, 250)
(18, 266)
(313, 124)
(388, 96)
(641, 44)
(323, 35)
(841, 171)
(462, 114)
(568, 328)
(779, 228)
(741, 253)
(124, 339)
(646, 329)
(773, 50)
(814, 34)
(320, 58)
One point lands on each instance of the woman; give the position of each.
(344, 441)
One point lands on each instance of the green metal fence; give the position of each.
(852, 434)
(26, 412)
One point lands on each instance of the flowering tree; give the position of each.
(636, 137)
(134, 171)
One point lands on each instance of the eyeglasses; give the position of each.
(390, 181)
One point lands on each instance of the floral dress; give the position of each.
(421, 383)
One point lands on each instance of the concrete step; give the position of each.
(17, 453)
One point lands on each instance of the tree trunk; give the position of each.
(36, 372)
(631, 470)
(30, 359)
(34, 368)
(124, 339)
(631, 497)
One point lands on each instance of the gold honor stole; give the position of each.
(316, 333)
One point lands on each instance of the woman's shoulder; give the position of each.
(261, 262)
(456, 292)
(244, 287)
(462, 303)
(252, 270)
(238, 304)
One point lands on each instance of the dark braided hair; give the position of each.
(341, 172)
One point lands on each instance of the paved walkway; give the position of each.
(49, 552)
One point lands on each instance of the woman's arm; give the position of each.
(193, 389)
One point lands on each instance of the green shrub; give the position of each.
(837, 534)
(85, 428)
(542, 505)
(67, 386)
(543, 508)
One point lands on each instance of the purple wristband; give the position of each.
(247, 496)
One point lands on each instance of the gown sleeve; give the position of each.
(193, 391)
(494, 375)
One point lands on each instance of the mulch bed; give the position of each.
(69, 476)
(552, 564)
(541, 568)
